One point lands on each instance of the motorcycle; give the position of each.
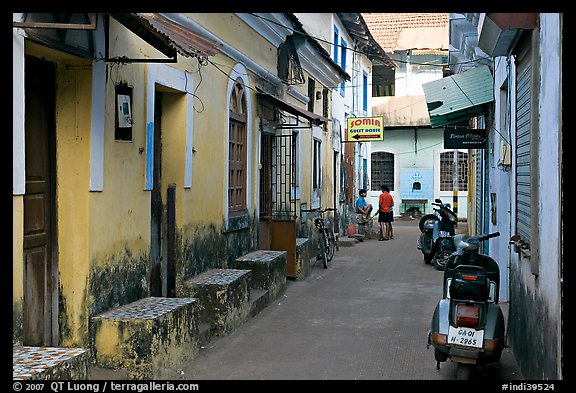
(437, 229)
(468, 325)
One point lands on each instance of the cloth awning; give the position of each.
(459, 97)
(166, 35)
(290, 108)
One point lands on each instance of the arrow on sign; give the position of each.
(357, 136)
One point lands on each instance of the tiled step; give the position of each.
(223, 299)
(43, 363)
(268, 269)
(149, 338)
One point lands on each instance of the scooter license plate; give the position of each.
(466, 337)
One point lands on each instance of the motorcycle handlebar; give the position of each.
(318, 210)
(488, 236)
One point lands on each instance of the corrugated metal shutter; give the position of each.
(523, 126)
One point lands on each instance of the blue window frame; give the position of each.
(364, 91)
(336, 39)
(343, 63)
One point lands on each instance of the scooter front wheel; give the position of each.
(440, 258)
(425, 219)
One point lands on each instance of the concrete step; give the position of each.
(223, 298)
(149, 338)
(347, 241)
(268, 269)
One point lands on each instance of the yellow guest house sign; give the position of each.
(365, 129)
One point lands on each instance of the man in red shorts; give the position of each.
(385, 213)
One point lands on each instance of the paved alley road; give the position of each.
(364, 318)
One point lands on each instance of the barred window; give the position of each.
(237, 152)
(317, 164)
(447, 171)
(382, 171)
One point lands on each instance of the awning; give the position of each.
(167, 36)
(459, 97)
(290, 108)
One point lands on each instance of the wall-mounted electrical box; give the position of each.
(124, 111)
(505, 153)
(124, 121)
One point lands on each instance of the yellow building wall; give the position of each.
(17, 267)
(73, 108)
(234, 31)
(119, 231)
(104, 236)
(204, 201)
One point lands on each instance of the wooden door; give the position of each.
(40, 265)
(156, 205)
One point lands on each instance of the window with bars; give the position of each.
(295, 159)
(447, 171)
(317, 174)
(237, 152)
(382, 171)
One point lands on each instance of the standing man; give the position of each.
(385, 213)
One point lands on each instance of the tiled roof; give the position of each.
(386, 27)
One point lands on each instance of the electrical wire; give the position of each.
(355, 50)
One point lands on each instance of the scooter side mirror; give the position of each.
(460, 241)
(437, 200)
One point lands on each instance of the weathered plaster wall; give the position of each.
(532, 327)
(17, 269)
(72, 202)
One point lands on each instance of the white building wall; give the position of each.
(549, 161)
(18, 135)
(501, 178)
(412, 72)
(429, 146)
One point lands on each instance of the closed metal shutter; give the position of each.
(523, 126)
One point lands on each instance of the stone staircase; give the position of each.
(151, 338)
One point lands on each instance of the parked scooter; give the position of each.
(468, 325)
(437, 230)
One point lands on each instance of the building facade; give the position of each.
(517, 177)
(412, 159)
(149, 148)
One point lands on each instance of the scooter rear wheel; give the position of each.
(463, 371)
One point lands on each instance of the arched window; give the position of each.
(237, 146)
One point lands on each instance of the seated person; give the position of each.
(362, 206)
